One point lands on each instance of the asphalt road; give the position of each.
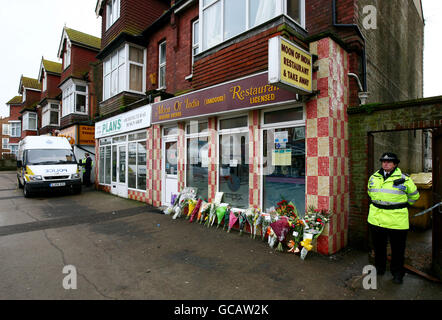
(125, 250)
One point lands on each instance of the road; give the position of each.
(124, 250)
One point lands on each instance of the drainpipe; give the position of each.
(363, 94)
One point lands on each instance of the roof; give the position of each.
(51, 66)
(83, 38)
(15, 100)
(79, 38)
(29, 83)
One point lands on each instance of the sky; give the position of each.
(30, 29)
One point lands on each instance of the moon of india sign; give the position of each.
(246, 93)
(290, 66)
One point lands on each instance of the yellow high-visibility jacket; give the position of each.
(388, 208)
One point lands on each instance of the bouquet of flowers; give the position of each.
(196, 210)
(204, 211)
(233, 217)
(212, 215)
(266, 220)
(315, 221)
(280, 228)
(296, 231)
(190, 207)
(256, 222)
(250, 218)
(226, 218)
(242, 222)
(221, 212)
(180, 209)
(286, 209)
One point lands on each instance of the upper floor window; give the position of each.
(74, 98)
(224, 19)
(5, 143)
(195, 39)
(29, 121)
(67, 55)
(112, 12)
(124, 70)
(50, 115)
(15, 129)
(6, 129)
(162, 66)
(45, 82)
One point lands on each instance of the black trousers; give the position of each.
(87, 178)
(398, 239)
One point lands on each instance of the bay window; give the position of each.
(74, 98)
(50, 115)
(224, 19)
(29, 121)
(124, 70)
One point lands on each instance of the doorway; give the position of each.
(170, 164)
(119, 170)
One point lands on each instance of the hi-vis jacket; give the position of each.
(389, 200)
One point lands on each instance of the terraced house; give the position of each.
(248, 98)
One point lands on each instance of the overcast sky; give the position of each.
(30, 29)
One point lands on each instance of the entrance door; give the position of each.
(170, 170)
(119, 165)
(437, 197)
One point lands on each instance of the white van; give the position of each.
(46, 163)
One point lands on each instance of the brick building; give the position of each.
(30, 90)
(14, 107)
(189, 98)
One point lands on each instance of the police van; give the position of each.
(46, 163)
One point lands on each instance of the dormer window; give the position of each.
(112, 12)
(45, 82)
(67, 55)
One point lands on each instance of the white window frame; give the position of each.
(112, 12)
(200, 134)
(15, 127)
(162, 65)
(69, 97)
(67, 55)
(26, 118)
(123, 66)
(6, 129)
(45, 82)
(5, 143)
(13, 146)
(46, 114)
(195, 44)
(281, 8)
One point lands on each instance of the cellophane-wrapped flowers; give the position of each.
(234, 216)
(220, 213)
(196, 210)
(281, 228)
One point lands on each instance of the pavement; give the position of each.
(126, 250)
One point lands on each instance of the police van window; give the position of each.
(50, 156)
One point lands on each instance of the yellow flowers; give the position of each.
(307, 244)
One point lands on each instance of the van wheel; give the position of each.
(19, 183)
(26, 191)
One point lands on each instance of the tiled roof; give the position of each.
(51, 66)
(30, 83)
(83, 38)
(15, 100)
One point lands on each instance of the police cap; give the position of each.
(389, 156)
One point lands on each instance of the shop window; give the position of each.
(197, 161)
(141, 165)
(224, 19)
(234, 161)
(294, 114)
(284, 167)
(104, 164)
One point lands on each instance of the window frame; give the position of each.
(124, 64)
(281, 9)
(67, 55)
(112, 15)
(162, 64)
(69, 98)
(5, 146)
(26, 118)
(15, 126)
(46, 114)
(6, 129)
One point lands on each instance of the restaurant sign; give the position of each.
(245, 93)
(135, 119)
(290, 67)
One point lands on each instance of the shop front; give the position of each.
(121, 153)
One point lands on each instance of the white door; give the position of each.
(170, 168)
(119, 170)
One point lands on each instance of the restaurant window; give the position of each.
(137, 161)
(284, 158)
(197, 161)
(234, 161)
(224, 19)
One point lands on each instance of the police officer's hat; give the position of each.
(389, 156)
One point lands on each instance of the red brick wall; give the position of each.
(80, 59)
(319, 17)
(32, 97)
(178, 36)
(135, 16)
(52, 87)
(14, 111)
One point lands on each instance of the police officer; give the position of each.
(391, 192)
(87, 168)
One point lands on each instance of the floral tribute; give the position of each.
(281, 225)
